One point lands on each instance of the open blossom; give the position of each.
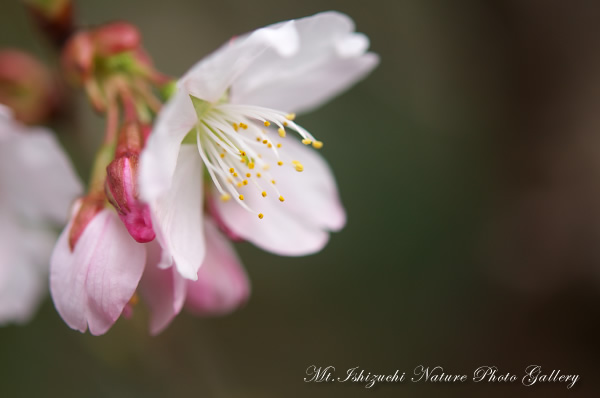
(232, 117)
(37, 187)
(224, 139)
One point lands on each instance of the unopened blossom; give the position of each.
(37, 187)
(232, 117)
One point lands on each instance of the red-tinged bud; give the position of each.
(27, 87)
(54, 17)
(115, 38)
(78, 58)
(90, 206)
(121, 185)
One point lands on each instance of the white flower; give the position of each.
(232, 116)
(37, 186)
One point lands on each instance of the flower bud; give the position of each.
(121, 185)
(78, 58)
(26, 86)
(115, 38)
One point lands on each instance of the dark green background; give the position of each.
(469, 166)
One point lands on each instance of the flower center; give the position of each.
(232, 140)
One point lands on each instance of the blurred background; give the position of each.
(469, 165)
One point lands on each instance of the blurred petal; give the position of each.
(23, 268)
(35, 174)
(91, 285)
(163, 290)
(331, 58)
(222, 284)
(177, 215)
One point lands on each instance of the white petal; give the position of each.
(91, 285)
(163, 290)
(299, 225)
(330, 59)
(211, 77)
(35, 174)
(23, 268)
(177, 215)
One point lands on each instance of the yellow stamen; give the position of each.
(290, 116)
(251, 165)
(245, 182)
(258, 175)
(231, 170)
(222, 155)
(260, 215)
(225, 197)
(280, 163)
(241, 197)
(239, 184)
(306, 141)
(267, 123)
(281, 132)
(273, 182)
(297, 165)
(235, 127)
(264, 194)
(281, 199)
(234, 174)
(269, 145)
(317, 145)
(265, 141)
(244, 126)
(278, 145)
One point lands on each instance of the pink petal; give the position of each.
(222, 284)
(91, 285)
(163, 290)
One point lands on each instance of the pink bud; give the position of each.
(26, 86)
(78, 57)
(121, 185)
(116, 37)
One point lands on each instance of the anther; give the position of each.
(241, 197)
(267, 123)
(280, 163)
(260, 215)
(225, 197)
(281, 132)
(317, 145)
(306, 141)
(264, 194)
(290, 116)
(281, 199)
